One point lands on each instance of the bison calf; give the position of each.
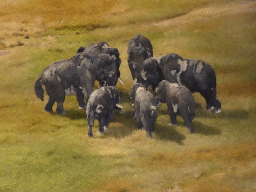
(145, 108)
(101, 105)
(179, 101)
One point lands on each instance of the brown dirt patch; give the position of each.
(4, 53)
(237, 88)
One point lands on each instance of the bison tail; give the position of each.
(39, 89)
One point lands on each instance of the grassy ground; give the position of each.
(48, 152)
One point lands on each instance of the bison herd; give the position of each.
(168, 79)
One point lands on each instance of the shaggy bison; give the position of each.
(145, 108)
(101, 105)
(179, 101)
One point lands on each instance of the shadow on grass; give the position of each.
(224, 114)
(167, 132)
(234, 114)
(200, 128)
(122, 124)
(75, 114)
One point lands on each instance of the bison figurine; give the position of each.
(79, 74)
(145, 108)
(196, 75)
(101, 105)
(139, 49)
(179, 101)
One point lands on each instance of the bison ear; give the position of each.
(81, 49)
(77, 59)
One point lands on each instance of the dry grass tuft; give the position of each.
(119, 185)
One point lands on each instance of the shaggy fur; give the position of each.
(179, 102)
(101, 105)
(79, 74)
(139, 49)
(103, 47)
(145, 108)
(196, 75)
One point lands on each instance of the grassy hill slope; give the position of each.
(47, 152)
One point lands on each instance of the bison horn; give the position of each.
(143, 75)
(120, 81)
(119, 106)
(111, 74)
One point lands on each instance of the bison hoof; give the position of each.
(149, 135)
(216, 111)
(48, 110)
(100, 132)
(105, 128)
(192, 131)
(83, 108)
(89, 135)
(61, 111)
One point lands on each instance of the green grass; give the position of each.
(50, 167)
(48, 152)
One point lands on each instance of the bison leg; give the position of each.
(189, 125)
(80, 98)
(173, 118)
(212, 103)
(138, 115)
(131, 67)
(149, 134)
(90, 121)
(60, 110)
(109, 118)
(206, 86)
(208, 95)
(139, 123)
(187, 119)
(56, 93)
(50, 89)
(50, 103)
(173, 113)
(148, 125)
(101, 125)
(89, 133)
(215, 105)
(60, 100)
